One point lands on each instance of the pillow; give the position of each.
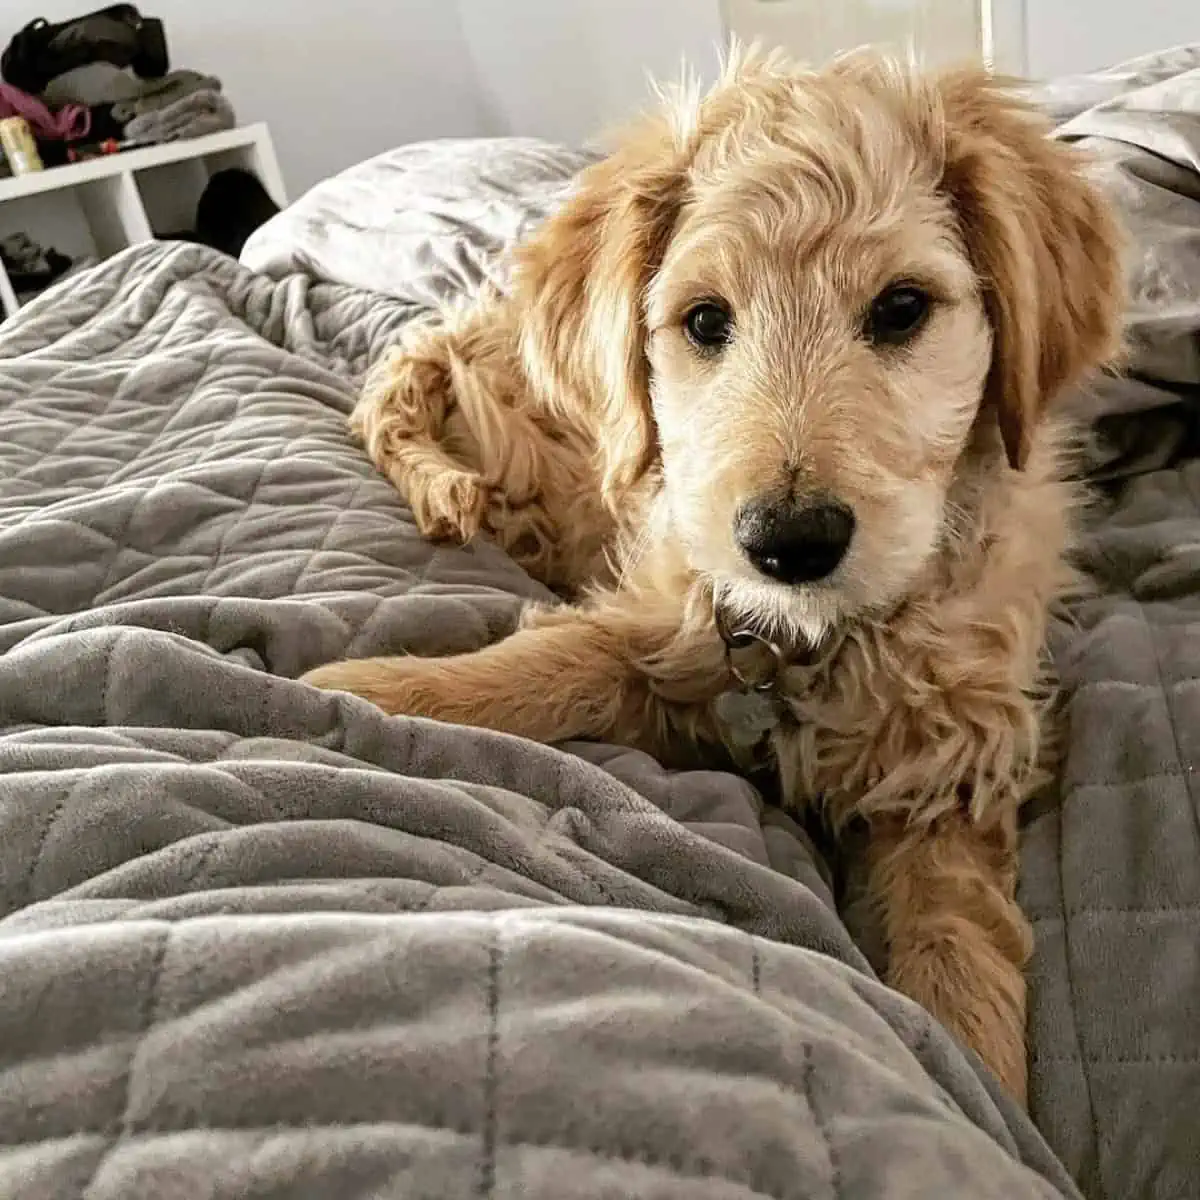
(1139, 123)
(423, 223)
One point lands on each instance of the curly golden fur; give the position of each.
(577, 423)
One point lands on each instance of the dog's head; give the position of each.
(799, 299)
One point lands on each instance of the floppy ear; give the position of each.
(1044, 243)
(580, 284)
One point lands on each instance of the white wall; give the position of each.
(941, 31)
(1065, 36)
(568, 69)
(1039, 38)
(340, 80)
(337, 80)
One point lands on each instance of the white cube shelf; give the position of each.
(109, 189)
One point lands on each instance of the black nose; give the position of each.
(794, 542)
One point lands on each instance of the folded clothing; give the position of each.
(195, 115)
(155, 95)
(66, 123)
(30, 266)
(110, 103)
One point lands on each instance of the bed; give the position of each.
(257, 940)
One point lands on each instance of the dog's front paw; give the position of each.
(397, 685)
(450, 508)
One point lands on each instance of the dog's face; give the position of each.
(796, 301)
(818, 350)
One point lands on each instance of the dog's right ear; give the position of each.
(580, 284)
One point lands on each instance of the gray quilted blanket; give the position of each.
(257, 940)
(262, 941)
(1112, 871)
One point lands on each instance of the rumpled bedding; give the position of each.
(260, 940)
(426, 223)
(1111, 873)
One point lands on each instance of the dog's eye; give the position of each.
(708, 326)
(897, 315)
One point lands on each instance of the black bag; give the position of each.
(119, 35)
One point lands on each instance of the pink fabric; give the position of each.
(65, 124)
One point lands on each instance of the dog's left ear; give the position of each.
(1044, 243)
(581, 282)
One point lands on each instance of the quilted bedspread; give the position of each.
(258, 940)
(261, 940)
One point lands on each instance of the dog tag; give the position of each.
(748, 715)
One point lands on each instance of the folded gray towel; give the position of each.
(197, 114)
(154, 95)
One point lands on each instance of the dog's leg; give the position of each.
(402, 418)
(623, 672)
(957, 941)
(449, 418)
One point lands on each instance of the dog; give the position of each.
(773, 396)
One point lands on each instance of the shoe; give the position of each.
(28, 266)
(232, 206)
(119, 35)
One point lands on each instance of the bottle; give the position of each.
(19, 147)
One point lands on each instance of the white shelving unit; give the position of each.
(111, 191)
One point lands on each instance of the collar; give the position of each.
(753, 709)
(756, 660)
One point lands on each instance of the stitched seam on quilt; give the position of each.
(234, 525)
(1125, 1060)
(40, 845)
(487, 1172)
(1169, 709)
(1108, 785)
(146, 1024)
(1073, 993)
(1123, 685)
(83, 432)
(348, 508)
(56, 813)
(650, 1164)
(835, 1175)
(1118, 910)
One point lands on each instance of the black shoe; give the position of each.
(29, 267)
(232, 206)
(119, 35)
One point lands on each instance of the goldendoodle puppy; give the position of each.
(773, 393)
